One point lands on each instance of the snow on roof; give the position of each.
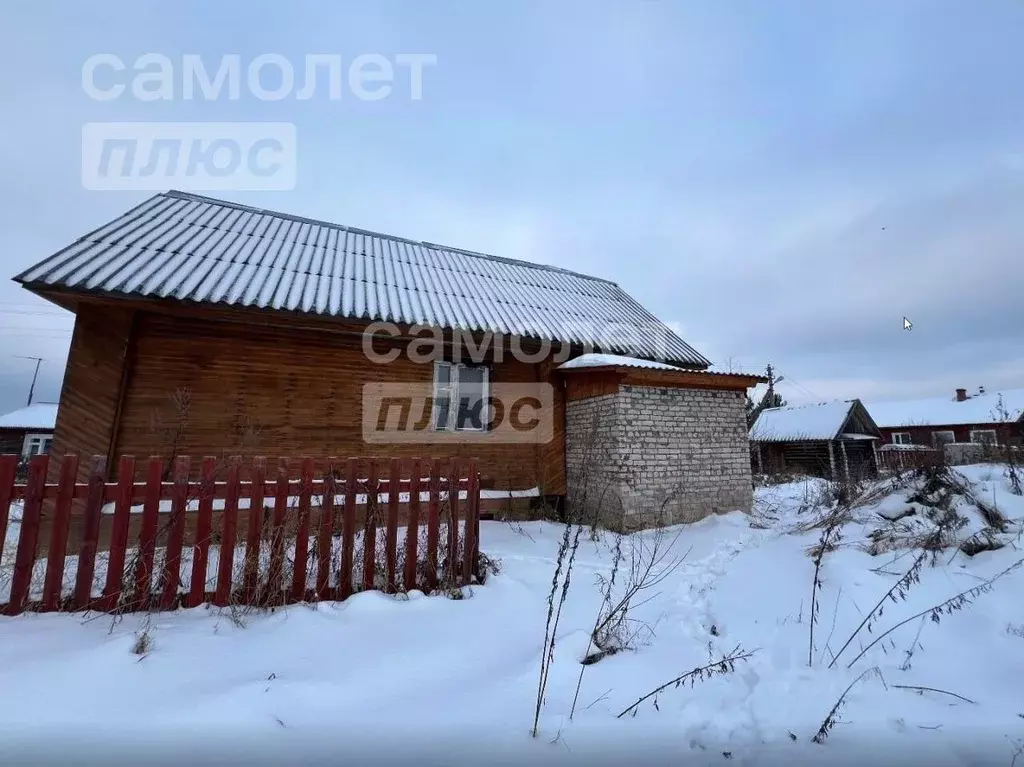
(193, 248)
(792, 424)
(606, 360)
(40, 415)
(946, 411)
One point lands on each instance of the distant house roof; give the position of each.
(609, 360)
(822, 421)
(191, 248)
(946, 411)
(39, 415)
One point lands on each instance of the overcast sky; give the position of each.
(785, 180)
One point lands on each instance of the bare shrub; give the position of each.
(725, 665)
(585, 508)
(832, 717)
(143, 640)
(947, 607)
(1018, 750)
(170, 432)
(898, 589)
(921, 690)
(564, 561)
(486, 567)
(649, 562)
(1010, 452)
(831, 533)
(940, 491)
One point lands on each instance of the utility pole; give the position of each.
(32, 388)
(768, 400)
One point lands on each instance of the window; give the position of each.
(940, 438)
(36, 444)
(901, 438)
(460, 396)
(984, 436)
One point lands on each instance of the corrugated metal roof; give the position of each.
(192, 248)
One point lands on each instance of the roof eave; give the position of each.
(736, 378)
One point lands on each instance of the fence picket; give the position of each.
(370, 528)
(147, 536)
(452, 563)
(229, 529)
(412, 531)
(469, 543)
(348, 529)
(250, 575)
(433, 523)
(323, 541)
(302, 534)
(119, 533)
(391, 534)
(54, 581)
(31, 515)
(276, 578)
(90, 533)
(175, 534)
(204, 531)
(8, 472)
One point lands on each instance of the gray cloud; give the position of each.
(731, 165)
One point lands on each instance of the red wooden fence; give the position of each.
(141, 568)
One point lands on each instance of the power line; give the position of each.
(56, 332)
(34, 328)
(33, 312)
(803, 388)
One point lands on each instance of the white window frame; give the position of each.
(950, 432)
(36, 439)
(452, 390)
(901, 434)
(993, 432)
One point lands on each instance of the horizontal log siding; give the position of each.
(13, 440)
(92, 382)
(258, 389)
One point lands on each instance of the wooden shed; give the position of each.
(835, 440)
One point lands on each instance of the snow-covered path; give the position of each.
(453, 682)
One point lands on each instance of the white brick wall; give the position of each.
(646, 453)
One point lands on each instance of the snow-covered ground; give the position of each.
(442, 681)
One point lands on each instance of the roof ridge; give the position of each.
(947, 398)
(177, 194)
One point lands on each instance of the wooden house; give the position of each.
(835, 440)
(28, 430)
(989, 419)
(205, 327)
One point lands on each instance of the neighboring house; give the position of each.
(964, 418)
(209, 328)
(28, 431)
(831, 439)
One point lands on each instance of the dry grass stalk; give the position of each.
(725, 665)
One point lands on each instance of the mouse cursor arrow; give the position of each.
(907, 324)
